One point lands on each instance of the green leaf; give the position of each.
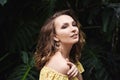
(3, 2)
(93, 65)
(51, 6)
(26, 73)
(23, 72)
(105, 19)
(25, 57)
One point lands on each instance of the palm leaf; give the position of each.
(26, 70)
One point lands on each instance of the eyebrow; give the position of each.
(72, 22)
(65, 23)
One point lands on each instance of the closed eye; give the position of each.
(64, 26)
(74, 23)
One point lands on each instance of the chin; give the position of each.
(74, 42)
(71, 41)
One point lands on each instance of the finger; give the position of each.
(70, 64)
(73, 73)
(76, 73)
(71, 69)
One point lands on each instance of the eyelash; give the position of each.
(74, 24)
(64, 26)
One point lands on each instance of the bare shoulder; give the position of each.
(58, 63)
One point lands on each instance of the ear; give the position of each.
(55, 38)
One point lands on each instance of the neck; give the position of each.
(65, 50)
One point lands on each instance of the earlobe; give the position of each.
(55, 38)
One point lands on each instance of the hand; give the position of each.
(73, 72)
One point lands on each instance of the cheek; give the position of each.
(62, 34)
(77, 29)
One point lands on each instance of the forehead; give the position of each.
(63, 19)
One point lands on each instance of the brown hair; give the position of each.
(46, 44)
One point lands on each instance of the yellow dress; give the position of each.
(47, 73)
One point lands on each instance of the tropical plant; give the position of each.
(25, 70)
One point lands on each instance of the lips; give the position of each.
(74, 36)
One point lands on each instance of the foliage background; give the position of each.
(20, 22)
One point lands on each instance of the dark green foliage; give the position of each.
(26, 70)
(21, 20)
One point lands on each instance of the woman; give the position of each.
(58, 50)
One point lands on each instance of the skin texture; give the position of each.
(66, 35)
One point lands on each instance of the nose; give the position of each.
(73, 29)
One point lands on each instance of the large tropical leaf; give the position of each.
(94, 67)
(26, 70)
(3, 2)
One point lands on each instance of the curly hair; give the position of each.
(46, 44)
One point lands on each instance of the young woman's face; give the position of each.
(66, 30)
